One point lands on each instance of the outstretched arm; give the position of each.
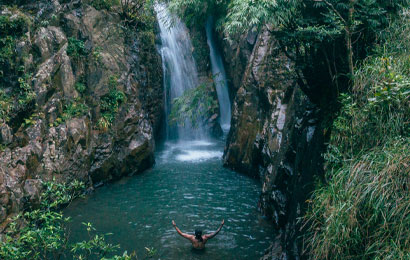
(206, 237)
(190, 237)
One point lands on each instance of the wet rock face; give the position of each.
(276, 136)
(78, 148)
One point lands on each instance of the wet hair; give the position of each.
(198, 235)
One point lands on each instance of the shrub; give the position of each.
(74, 109)
(80, 87)
(110, 104)
(195, 105)
(71, 110)
(362, 211)
(104, 4)
(42, 233)
(5, 105)
(76, 48)
(11, 30)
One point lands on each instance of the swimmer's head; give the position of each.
(198, 234)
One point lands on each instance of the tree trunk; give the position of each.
(349, 34)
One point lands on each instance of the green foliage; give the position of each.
(95, 246)
(378, 107)
(55, 194)
(12, 28)
(71, 110)
(97, 54)
(245, 14)
(110, 104)
(196, 12)
(76, 48)
(362, 211)
(195, 105)
(6, 105)
(138, 14)
(26, 94)
(42, 233)
(31, 120)
(80, 87)
(2, 147)
(104, 4)
(151, 252)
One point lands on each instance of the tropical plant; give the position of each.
(195, 106)
(42, 232)
(76, 48)
(361, 210)
(110, 104)
(104, 4)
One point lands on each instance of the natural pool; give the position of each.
(187, 184)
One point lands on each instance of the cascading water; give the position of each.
(219, 75)
(188, 184)
(180, 73)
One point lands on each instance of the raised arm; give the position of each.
(189, 237)
(209, 236)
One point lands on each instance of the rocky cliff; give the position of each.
(275, 134)
(97, 100)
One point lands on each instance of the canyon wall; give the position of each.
(276, 134)
(119, 65)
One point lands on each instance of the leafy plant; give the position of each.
(110, 104)
(195, 105)
(80, 87)
(71, 110)
(12, 29)
(362, 212)
(97, 54)
(26, 94)
(76, 48)
(151, 252)
(5, 105)
(138, 14)
(104, 4)
(42, 233)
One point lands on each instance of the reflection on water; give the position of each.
(190, 186)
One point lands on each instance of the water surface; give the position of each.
(187, 184)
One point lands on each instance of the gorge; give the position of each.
(259, 113)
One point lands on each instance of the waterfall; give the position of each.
(180, 70)
(219, 75)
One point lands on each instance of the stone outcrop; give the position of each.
(78, 148)
(275, 135)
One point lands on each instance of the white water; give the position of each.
(219, 75)
(180, 71)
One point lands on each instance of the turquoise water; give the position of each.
(187, 184)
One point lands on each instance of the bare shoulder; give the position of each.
(190, 237)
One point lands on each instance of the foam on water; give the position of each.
(198, 156)
(191, 151)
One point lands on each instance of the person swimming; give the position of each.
(198, 240)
